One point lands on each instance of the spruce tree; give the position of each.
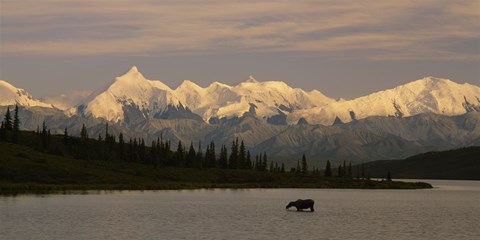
(49, 138)
(264, 162)
(363, 171)
(328, 169)
(233, 160)
(44, 136)
(199, 158)
(16, 126)
(350, 170)
(121, 147)
(130, 152)
(249, 161)
(142, 151)
(210, 159)
(242, 156)
(152, 155)
(65, 137)
(135, 150)
(83, 133)
(389, 176)
(207, 156)
(304, 164)
(99, 147)
(8, 120)
(214, 155)
(179, 155)
(2, 132)
(191, 156)
(223, 161)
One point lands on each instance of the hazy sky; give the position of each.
(342, 48)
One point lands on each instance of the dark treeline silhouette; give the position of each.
(158, 153)
(10, 128)
(346, 171)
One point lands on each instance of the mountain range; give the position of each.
(423, 115)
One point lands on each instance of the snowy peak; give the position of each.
(131, 92)
(427, 84)
(133, 69)
(132, 72)
(131, 97)
(188, 85)
(429, 94)
(276, 101)
(219, 100)
(10, 95)
(132, 76)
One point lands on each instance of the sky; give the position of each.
(342, 48)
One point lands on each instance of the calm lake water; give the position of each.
(450, 211)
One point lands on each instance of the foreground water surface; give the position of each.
(449, 211)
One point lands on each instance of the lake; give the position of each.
(450, 211)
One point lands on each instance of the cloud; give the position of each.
(381, 30)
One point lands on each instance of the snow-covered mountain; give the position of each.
(424, 115)
(131, 98)
(430, 94)
(131, 92)
(130, 95)
(10, 95)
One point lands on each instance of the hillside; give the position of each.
(28, 169)
(463, 163)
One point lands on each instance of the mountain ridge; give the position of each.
(11, 95)
(424, 115)
(274, 101)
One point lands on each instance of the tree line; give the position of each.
(10, 127)
(159, 152)
(344, 171)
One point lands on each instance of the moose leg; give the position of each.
(311, 209)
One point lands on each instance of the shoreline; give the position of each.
(22, 188)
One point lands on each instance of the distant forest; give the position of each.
(158, 153)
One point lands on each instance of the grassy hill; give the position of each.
(25, 169)
(463, 163)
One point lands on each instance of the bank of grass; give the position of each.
(23, 169)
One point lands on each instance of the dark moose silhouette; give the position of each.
(302, 204)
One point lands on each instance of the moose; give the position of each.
(302, 204)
